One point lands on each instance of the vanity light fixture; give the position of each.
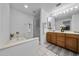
(55, 14)
(60, 12)
(64, 11)
(49, 19)
(71, 9)
(76, 7)
(67, 10)
(26, 6)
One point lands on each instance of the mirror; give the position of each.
(67, 17)
(51, 23)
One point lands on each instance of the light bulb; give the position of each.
(71, 8)
(76, 7)
(26, 6)
(60, 12)
(63, 11)
(67, 10)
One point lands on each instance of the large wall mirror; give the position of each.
(67, 16)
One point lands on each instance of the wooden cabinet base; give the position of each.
(68, 41)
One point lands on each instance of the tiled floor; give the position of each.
(45, 52)
(60, 51)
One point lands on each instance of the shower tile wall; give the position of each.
(36, 24)
(20, 23)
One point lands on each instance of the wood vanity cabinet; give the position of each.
(65, 40)
(53, 37)
(71, 42)
(61, 39)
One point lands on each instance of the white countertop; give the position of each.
(68, 32)
(15, 42)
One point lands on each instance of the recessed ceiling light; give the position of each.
(26, 6)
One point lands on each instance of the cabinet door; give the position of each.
(48, 36)
(78, 44)
(53, 37)
(71, 42)
(61, 39)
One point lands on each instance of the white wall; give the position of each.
(4, 23)
(43, 19)
(20, 22)
(75, 22)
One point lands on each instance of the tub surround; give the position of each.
(16, 41)
(23, 47)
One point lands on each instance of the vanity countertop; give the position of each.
(68, 32)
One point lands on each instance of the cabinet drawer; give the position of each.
(53, 34)
(60, 38)
(53, 37)
(60, 34)
(71, 35)
(78, 45)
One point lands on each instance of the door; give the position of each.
(78, 45)
(71, 42)
(61, 39)
(48, 36)
(53, 37)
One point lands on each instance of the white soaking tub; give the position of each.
(20, 47)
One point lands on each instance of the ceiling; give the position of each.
(33, 7)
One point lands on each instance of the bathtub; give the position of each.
(20, 47)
